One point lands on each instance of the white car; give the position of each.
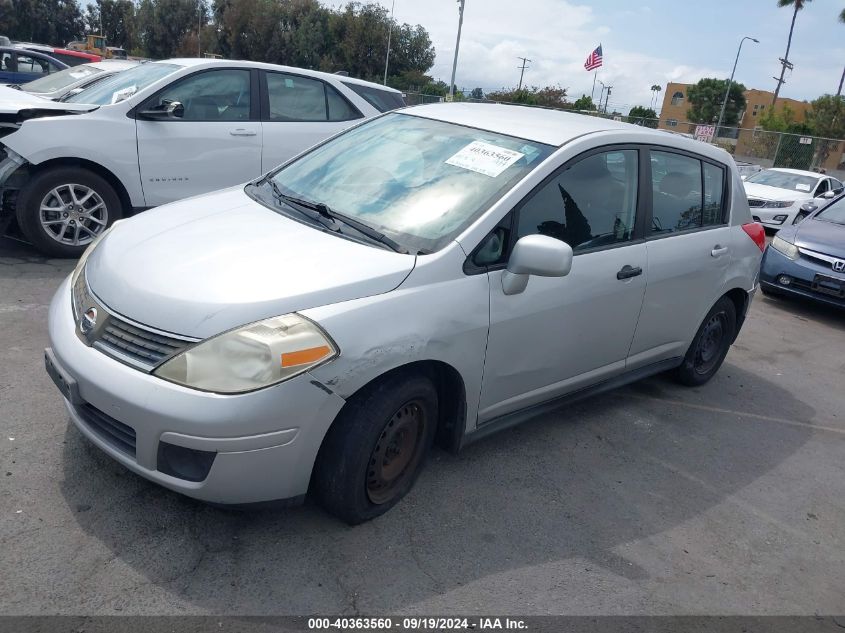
(776, 195)
(160, 132)
(57, 86)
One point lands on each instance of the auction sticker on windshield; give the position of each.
(484, 158)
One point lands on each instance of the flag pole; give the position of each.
(593, 93)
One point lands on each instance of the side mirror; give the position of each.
(827, 195)
(168, 110)
(743, 177)
(539, 255)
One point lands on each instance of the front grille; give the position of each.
(116, 434)
(753, 202)
(141, 345)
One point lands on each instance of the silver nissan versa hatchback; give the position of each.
(431, 275)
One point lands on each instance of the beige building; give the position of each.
(673, 114)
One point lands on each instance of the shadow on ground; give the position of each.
(575, 483)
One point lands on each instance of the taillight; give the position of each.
(756, 232)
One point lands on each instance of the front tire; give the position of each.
(61, 211)
(375, 450)
(710, 345)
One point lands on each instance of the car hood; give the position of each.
(12, 100)
(17, 106)
(765, 192)
(820, 236)
(207, 264)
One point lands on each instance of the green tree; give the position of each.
(796, 5)
(548, 97)
(476, 93)
(640, 115)
(118, 22)
(54, 22)
(706, 99)
(584, 103)
(164, 24)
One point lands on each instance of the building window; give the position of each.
(672, 123)
(677, 98)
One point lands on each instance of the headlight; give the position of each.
(251, 357)
(778, 204)
(80, 265)
(782, 246)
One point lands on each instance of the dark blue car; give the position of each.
(18, 66)
(808, 259)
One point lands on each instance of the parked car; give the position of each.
(59, 85)
(437, 273)
(808, 260)
(747, 169)
(776, 195)
(186, 126)
(64, 55)
(18, 66)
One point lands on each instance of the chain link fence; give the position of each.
(753, 149)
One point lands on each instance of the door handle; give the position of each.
(718, 250)
(242, 132)
(629, 271)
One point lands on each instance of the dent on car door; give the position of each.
(212, 141)
(299, 112)
(688, 243)
(564, 333)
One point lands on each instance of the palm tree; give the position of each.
(839, 92)
(654, 89)
(797, 6)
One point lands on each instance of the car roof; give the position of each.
(798, 172)
(553, 127)
(114, 65)
(197, 62)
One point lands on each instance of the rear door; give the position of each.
(688, 244)
(215, 143)
(298, 112)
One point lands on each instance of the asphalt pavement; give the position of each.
(654, 499)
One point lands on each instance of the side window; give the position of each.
(592, 203)
(676, 190)
(294, 98)
(28, 64)
(822, 188)
(714, 187)
(6, 62)
(339, 108)
(837, 186)
(217, 95)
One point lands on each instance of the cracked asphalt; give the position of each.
(654, 499)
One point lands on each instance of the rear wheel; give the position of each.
(61, 211)
(710, 345)
(374, 451)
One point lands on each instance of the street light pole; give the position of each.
(730, 81)
(457, 46)
(389, 33)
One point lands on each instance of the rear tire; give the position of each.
(375, 450)
(60, 211)
(710, 345)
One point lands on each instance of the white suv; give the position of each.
(161, 132)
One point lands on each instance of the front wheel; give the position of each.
(374, 451)
(61, 211)
(710, 345)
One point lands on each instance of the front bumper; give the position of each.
(264, 443)
(804, 275)
(766, 217)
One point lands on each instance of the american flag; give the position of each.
(594, 60)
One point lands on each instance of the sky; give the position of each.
(646, 42)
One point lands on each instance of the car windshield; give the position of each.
(417, 180)
(784, 180)
(124, 85)
(61, 79)
(834, 213)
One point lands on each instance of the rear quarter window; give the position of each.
(381, 100)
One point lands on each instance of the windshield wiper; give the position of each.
(326, 213)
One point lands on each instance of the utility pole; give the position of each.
(784, 64)
(199, 28)
(457, 46)
(607, 98)
(601, 95)
(842, 79)
(389, 33)
(525, 61)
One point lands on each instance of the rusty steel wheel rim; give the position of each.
(397, 452)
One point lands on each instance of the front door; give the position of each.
(300, 112)
(215, 142)
(565, 333)
(688, 243)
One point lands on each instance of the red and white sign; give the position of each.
(705, 133)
